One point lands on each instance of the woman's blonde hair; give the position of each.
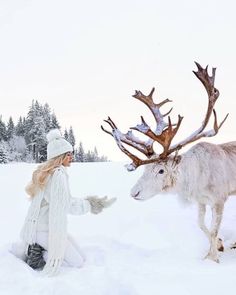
(41, 174)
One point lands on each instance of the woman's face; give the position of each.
(68, 159)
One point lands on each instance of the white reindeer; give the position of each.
(206, 174)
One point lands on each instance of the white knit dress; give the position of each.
(48, 212)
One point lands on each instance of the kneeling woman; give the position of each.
(45, 227)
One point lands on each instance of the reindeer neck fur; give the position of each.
(206, 173)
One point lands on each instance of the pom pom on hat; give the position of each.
(57, 145)
(53, 134)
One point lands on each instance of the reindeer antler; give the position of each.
(165, 132)
(213, 94)
(144, 147)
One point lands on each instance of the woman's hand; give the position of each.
(98, 204)
(52, 267)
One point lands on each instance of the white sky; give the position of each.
(86, 58)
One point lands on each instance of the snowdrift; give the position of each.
(133, 248)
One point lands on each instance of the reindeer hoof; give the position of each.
(211, 257)
(220, 246)
(233, 246)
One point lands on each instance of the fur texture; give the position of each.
(206, 174)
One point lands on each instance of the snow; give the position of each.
(132, 248)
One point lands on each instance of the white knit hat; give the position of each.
(57, 145)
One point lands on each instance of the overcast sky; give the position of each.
(86, 58)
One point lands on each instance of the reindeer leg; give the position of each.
(201, 223)
(201, 220)
(217, 213)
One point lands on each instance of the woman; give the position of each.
(45, 226)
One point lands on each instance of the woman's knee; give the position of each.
(73, 257)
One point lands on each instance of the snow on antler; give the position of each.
(165, 131)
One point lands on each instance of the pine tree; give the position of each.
(18, 149)
(89, 156)
(103, 159)
(80, 154)
(40, 141)
(47, 117)
(3, 130)
(54, 122)
(71, 137)
(24, 125)
(66, 135)
(38, 109)
(29, 127)
(19, 129)
(95, 155)
(3, 154)
(10, 129)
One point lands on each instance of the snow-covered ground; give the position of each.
(133, 248)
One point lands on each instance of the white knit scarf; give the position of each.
(28, 232)
(58, 209)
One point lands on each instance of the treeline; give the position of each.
(26, 140)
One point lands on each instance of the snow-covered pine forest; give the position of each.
(26, 140)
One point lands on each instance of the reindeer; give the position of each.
(205, 174)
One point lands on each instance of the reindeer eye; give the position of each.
(161, 171)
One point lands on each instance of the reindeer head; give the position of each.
(158, 177)
(159, 174)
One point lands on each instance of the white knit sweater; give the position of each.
(48, 212)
